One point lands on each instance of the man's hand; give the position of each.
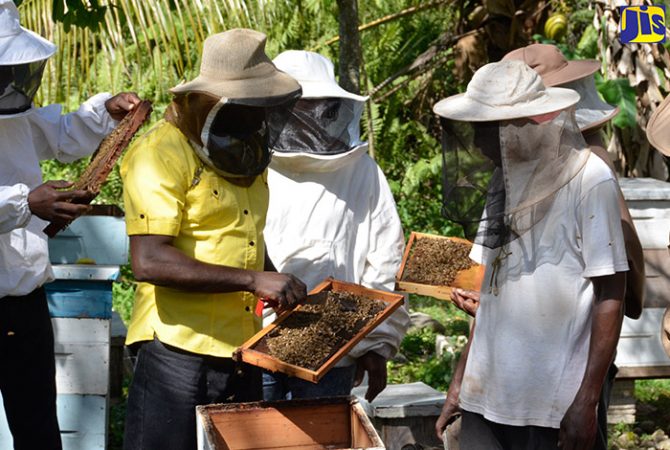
(281, 288)
(50, 203)
(450, 411)
(119, 105)
(467, 301)
(578, 427)
(375, 365)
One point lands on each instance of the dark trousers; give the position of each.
(603, 405)
(477, 433)
(28, 371)
(169, 383)
(338, 381)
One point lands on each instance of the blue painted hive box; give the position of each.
(81, 291)
(86, 257)
(96, 238)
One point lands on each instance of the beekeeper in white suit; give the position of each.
(27, 135)
(332, 214)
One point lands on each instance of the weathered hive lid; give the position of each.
(86, 272)
(644, 189)
(402, 400)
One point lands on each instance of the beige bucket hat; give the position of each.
(658, 129)
(235, 67)
(502, 91)
(556, 70)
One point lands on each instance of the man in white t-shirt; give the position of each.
(551, 303)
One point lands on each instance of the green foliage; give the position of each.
(423, 363)
(587, 48)
(619, 92)
(419, 346)
(652, 390)
(123, 294)
(80, 13)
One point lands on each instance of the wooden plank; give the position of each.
(466, 279)
(363, 434)
(644, 372)
(327, 425)
(81, 348)
(253, 352)
(622, 402)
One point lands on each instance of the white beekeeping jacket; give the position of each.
(336, 217)
(26, 139)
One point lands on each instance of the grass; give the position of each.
(652, 414)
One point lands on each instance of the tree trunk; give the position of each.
(350, 46)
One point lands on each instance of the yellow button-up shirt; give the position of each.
(168, 191)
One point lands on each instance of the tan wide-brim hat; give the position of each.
(502, 91)
(658, 128)
(665, 331)
(549, 62)
(234, 66)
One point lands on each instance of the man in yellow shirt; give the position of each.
(196, 195)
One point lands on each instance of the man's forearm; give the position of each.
(605, 329)
(160, 263)
(457, 377)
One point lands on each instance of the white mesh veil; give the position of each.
(532, 161)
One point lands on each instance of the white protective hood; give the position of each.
(18, 45)
(316, 76)
(309, 162)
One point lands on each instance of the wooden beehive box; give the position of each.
(466, 279)
(255, 350)
(333, 423)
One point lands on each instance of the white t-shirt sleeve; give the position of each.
(600, 232)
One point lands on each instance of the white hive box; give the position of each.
(640, 353)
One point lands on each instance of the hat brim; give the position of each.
(271, 90)
(325, 89)
(574, 70)
(25, 47)
(658, 127)
(595, 118)
(665, 331)
(462, 108)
